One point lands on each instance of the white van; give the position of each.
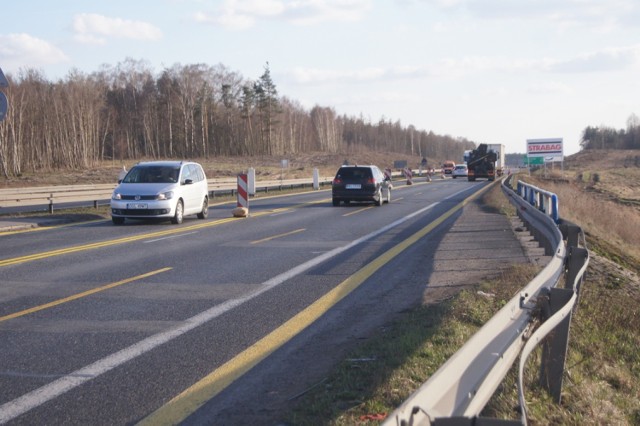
(161, 189)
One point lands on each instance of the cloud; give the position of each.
(311, 12)
(549, 88)
(243, 14)
(22, 50)
(594, 14)
(615, 59)
(92, 28)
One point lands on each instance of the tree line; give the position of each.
(609, 138)
(126, 112)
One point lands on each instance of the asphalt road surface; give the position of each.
(216, 321)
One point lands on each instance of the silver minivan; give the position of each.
(161, 190)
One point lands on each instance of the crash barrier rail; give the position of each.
(545, 201)
(101, 193)
(458, 392)
(96, 194)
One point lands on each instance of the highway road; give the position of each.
(216, 320)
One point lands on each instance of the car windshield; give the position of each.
(152, 174)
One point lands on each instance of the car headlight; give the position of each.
(116, 196)
(165, 196)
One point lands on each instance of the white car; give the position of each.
(460, 170)
(161, 189)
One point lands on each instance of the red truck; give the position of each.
(448, 166)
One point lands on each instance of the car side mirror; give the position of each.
(188, 181)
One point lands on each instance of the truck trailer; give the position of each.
(481, 163)
(500, 153)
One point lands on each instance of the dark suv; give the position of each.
(360, 183)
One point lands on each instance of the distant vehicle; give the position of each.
(361, 183)
(481, 163)
(448, 166)
(459, 171)
(161, 190)
(499, 149)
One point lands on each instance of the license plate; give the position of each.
(137, 206)
(353, 186)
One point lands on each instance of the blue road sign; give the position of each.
(4, 106)
(3, 80)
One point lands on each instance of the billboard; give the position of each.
(549, 149)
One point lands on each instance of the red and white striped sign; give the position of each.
(409, 175)
(243, 199)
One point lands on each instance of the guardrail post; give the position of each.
(570, 233)
(575, 260)
(555, 214)
(554, 351)
(50, 203)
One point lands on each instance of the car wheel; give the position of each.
(378, 201)
(178, 217)
(335, 202)
(117, 220)
(205, 209)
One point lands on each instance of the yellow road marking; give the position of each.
(91, 246)
(278, 236)
(188, 401)
(177, 230)
(48, 228)
(81, 295)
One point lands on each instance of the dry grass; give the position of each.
(607, 207)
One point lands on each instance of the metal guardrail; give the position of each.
(95, 194)
(101, 193)
(544, 200)
(458, 392)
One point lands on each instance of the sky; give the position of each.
(492, 71)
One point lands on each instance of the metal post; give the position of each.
(570, 232)
(554, 351)
(555, 208)
(575, 261)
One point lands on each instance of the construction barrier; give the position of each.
(242, 209)
(409, 175)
